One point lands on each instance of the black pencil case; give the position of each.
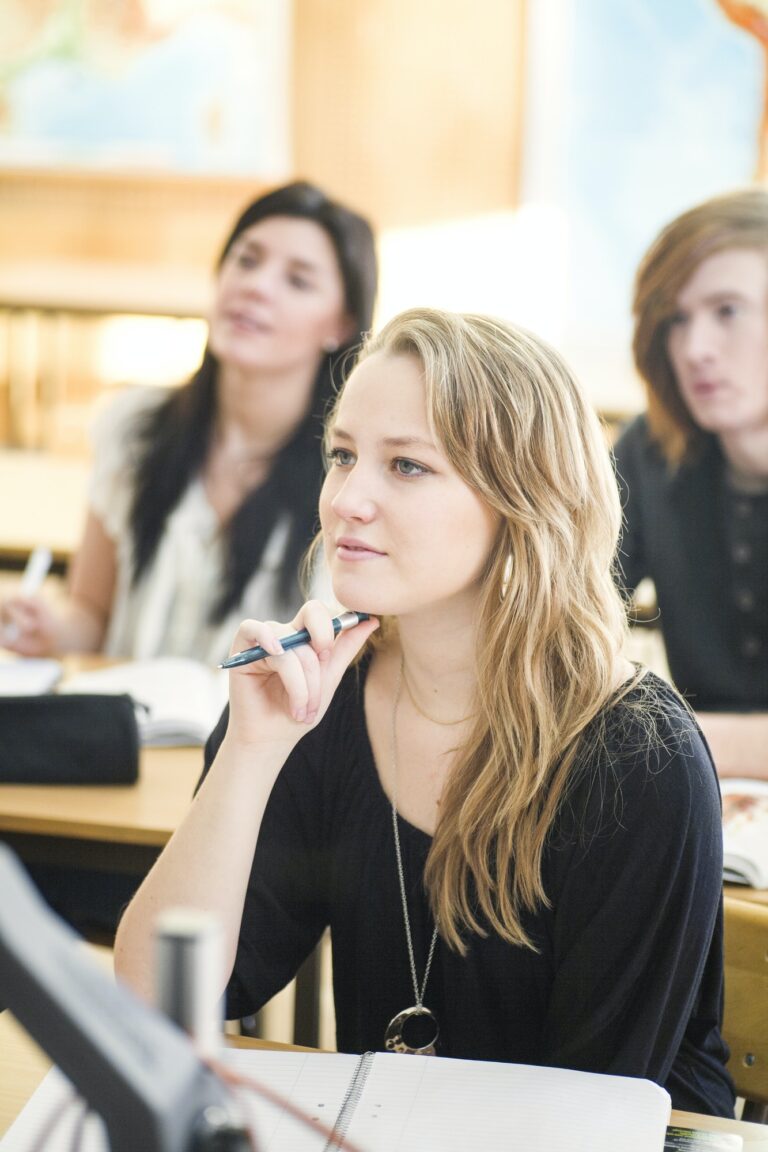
(68, 739)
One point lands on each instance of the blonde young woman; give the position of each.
(513, 834)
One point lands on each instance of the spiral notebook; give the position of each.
(382, 1102)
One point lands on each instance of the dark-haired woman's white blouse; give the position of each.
(627, 977)
(168, 612)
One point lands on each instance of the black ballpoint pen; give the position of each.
(294, 640)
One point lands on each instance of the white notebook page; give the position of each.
(420, 1104)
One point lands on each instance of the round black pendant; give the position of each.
(413, 1031)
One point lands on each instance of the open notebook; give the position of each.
(178, 700)
(28, 677)
(384, 1102)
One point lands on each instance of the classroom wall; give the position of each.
(517, 156)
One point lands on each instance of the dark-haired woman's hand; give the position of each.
(28, 626)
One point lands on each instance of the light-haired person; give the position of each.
(694, 468)
(513, 833)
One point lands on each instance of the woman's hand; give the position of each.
(280, 698)
(28, 626)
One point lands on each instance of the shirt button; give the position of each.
(742, 508)
(745, 599)
(751, 646)
(741, 553)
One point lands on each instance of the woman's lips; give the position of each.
(348, 549)
(247, 323)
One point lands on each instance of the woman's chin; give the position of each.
(358, 599)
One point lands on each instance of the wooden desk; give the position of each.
(122, 829)
(743, 892)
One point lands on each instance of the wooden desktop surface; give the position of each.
(120, 829)
(744, 892)
(143, 813)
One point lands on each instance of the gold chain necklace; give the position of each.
(426, 715)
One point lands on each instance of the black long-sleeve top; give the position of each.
(627, 977)
(705, 546)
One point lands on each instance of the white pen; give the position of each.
(37, 567)
(36, 570)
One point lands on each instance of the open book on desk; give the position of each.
(745, 832)
(30, 676)
(178, 700)
(386, 1102)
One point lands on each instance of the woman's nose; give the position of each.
(354, 499)
(261, 280)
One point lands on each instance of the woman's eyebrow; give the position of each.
(389, 441)
(298, 263)
(301, 264)
(407, 442)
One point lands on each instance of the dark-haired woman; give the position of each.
(204, 498)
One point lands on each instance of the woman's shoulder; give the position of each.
(118, 419)
(115, 453)
(644, 760)
(652, 725)
(116, 411)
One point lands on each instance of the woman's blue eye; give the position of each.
(342, 457)
(409, 467)
(727, 311)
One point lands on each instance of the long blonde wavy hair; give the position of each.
(514, 423)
